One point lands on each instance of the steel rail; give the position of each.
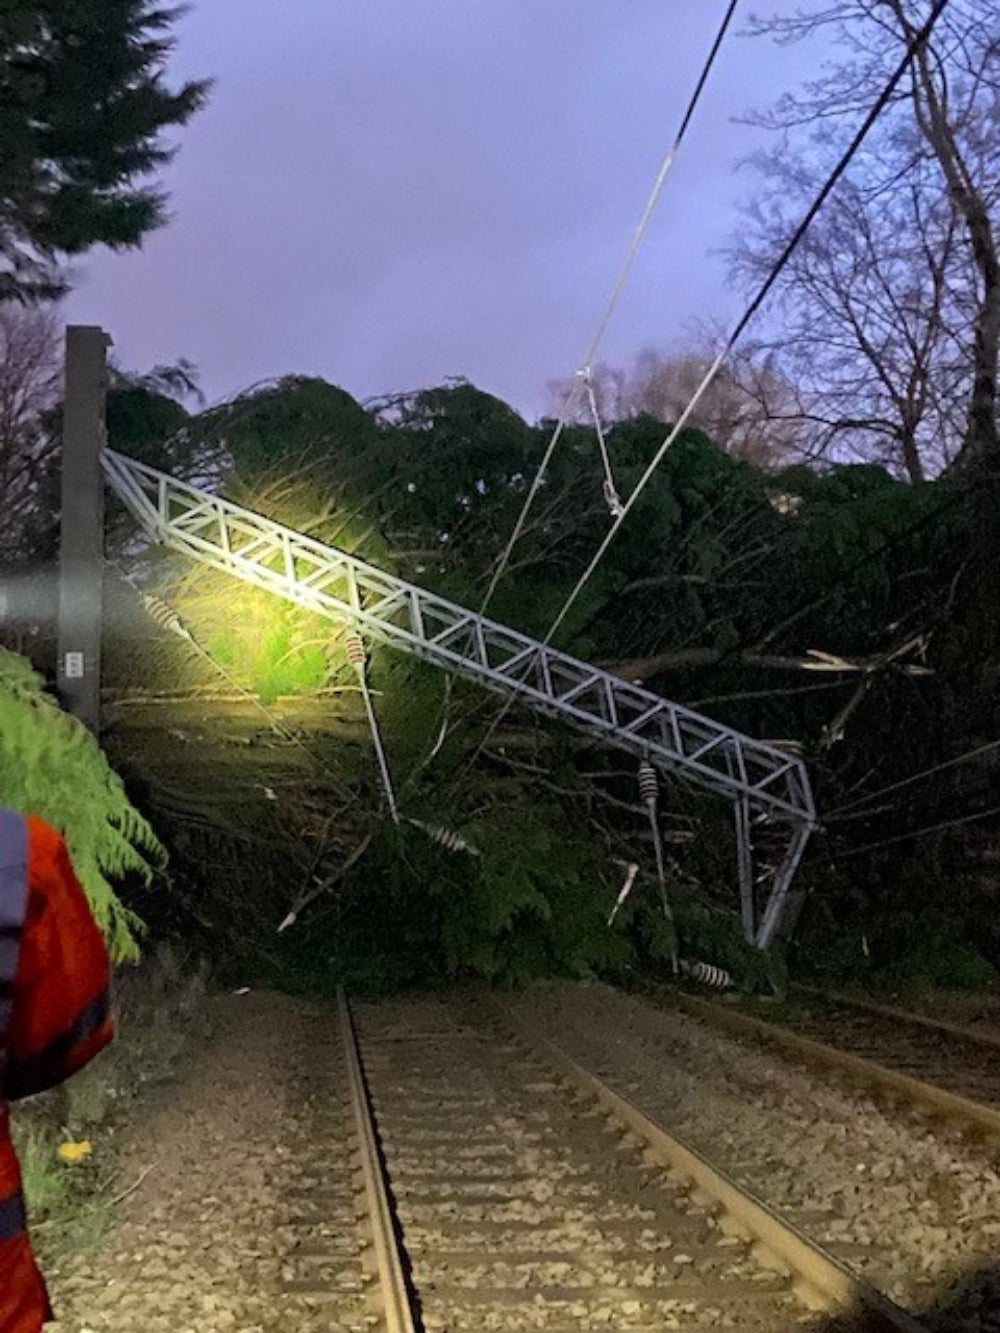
(819, 1280)
(928, 1096)
(942, 1026)
(763, 782)
(395, 1307)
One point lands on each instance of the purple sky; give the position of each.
(391, 192)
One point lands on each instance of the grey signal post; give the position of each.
(81, 544)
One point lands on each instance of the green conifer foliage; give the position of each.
(51, 766)
(85, 107)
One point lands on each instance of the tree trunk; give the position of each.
(982, 442)
(910, 453)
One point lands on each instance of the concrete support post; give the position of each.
(81, 548)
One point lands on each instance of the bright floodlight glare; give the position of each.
(27, 597)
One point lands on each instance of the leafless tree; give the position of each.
(571, 397)
(748, 409)
(731, 409)
(867, 326)
(29, 385)
(887, 320)
(957, 107)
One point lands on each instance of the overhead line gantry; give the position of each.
(768, 787)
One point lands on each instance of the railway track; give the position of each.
(500, 1186)
(942, 1069)
(325, 1273)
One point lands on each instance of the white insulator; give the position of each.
(165, 616)
(708, 974)
(355, 646)
(649, 783)
(631, 870)
(447, 838)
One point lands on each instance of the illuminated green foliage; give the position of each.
(265, 647)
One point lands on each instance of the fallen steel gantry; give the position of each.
(768, 787)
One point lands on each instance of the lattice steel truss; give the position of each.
(769, 788)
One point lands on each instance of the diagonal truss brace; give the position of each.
(764, 782)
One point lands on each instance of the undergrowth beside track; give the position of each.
(67, 1139)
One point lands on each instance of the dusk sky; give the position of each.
(388, 193)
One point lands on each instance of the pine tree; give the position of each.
(83, 106)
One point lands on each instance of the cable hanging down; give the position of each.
(649, 790)
(589, 355)
(358, 658)
(918, 41)
(611, 497)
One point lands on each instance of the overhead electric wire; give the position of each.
(918, 833)
(918, 41)
(636, 244)
(842, 812)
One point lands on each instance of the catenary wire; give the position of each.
(842, 812)
(919, 39)
(638, 237)
(757, 301)
(918, 833)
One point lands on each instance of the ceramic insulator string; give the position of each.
(708, 975)
(355, 647)
(649, 783)
(163, 615)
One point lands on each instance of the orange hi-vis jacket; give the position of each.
(54, 1018)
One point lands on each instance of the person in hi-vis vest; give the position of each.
(54, 1018)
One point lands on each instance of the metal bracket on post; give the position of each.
(81, 543)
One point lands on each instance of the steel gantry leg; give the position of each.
(784, 904)
(744, 860)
